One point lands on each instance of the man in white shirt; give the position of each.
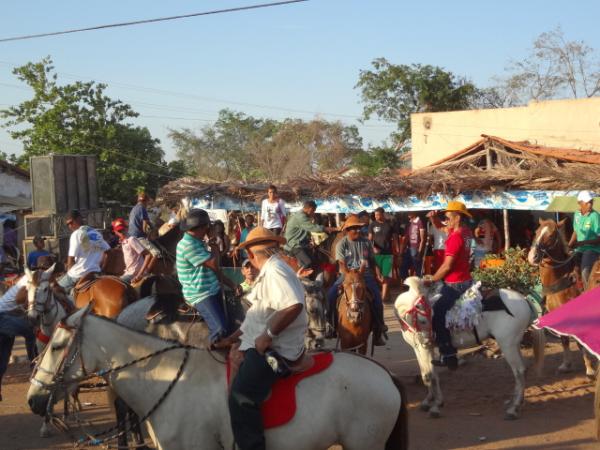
(272, 212)
(277, 321)
(86, 251)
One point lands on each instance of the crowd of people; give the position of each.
(442, 246)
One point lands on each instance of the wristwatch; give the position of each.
(270, 334)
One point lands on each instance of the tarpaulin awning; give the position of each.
(568, 204)
(578, 318)
(511, 200)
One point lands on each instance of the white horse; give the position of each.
(355, 402)
(414, 311)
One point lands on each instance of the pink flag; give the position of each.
(579, 318)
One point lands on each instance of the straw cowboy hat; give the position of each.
(260, 238)
(353, 221)
(458, 207)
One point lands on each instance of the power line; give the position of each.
(145, 21)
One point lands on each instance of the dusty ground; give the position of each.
(557, 414)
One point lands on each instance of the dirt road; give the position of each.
(557, 414)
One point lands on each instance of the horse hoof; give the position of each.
(44, 432)
(434, 414)
(564, 368)
(511, 416)
(425, 407)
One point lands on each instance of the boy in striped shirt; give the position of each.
(201, 278)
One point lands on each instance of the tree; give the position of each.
(394, 92)
(554, 68)
(79, 118)
(372, 162)
(238, 146)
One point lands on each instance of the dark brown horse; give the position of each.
(550, 252)
(354, 313)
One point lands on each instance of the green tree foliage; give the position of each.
(373, 161)
(79, 118)
(238, 146)
(393, 92)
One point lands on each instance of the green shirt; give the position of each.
(198, 281)
(587, 228)
(298, 229)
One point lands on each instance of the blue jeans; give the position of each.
(588, 259)
(372, 286)
(411, 259)
(212, 311)
(67, 283)
(450, 293)
(11, 326)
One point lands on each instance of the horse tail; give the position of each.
(398, 439)
(539, 342)
(597, 407)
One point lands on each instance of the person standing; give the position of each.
(487, 240)
(355, 252)
(201, 277)
(438, 233)
(272, 212)
(137, 258)
(139, 226)
(456, 274)
(86, 251)
(384, 239)
(298, 234)
(586, 236)
(276, 321)
(414, 245)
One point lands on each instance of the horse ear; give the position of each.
(562, 223)
(48, 272)
(319, 280)
(540, 220)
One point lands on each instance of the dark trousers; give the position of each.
(303, 256)
(449, 294)
(249, 390)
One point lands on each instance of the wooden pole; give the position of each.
(488, 158)
(506, 230)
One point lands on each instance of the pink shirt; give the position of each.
(132, 254)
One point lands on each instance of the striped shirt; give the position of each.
(198, 282)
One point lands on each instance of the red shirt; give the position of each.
(457, 246)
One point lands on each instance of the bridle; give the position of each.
(70, 355)
(545, 249)
(420, 308)
(44, 309)
(355, 307)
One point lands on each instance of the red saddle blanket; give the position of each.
(280, 407)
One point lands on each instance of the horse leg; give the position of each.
(567, 364)
(121, 414)
(512, 353)
(434, 399)
(136, 429)
(588, 359)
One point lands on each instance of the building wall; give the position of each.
(12, 185)
(556, 123)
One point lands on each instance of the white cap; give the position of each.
(585, 196)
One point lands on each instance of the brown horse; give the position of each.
(550, 252)
(354, 313)
(109, 295)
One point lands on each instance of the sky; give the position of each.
(301, 60)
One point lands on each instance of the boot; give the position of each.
(378, 340)
(379, 327)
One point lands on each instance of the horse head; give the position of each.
(548, 242)
(315, 309)
(413, 310)
(355, 295)
(39, 292)
(61, 362)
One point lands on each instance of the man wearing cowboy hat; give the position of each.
(277, 321)
(355, 252)
(455, 271)
(200, 276)
(586, 236)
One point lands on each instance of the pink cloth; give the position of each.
(579, 318)
(132, 254)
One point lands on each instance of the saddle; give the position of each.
(86, 282)
(167, 310)
(280, 407)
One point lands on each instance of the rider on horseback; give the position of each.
(86, 251)
(586, 236)
(137, 258)
(139, 225)
(275, 321)
(297, 233)
(355, 252)
(455, 272)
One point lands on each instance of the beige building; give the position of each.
(573, 124)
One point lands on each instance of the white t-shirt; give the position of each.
(272, 213)
(87, 246)
(7, 301)
(277, 287)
